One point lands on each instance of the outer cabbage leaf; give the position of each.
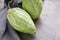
(33, 7)
(21, 21)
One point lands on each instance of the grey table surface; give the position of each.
(48, 25)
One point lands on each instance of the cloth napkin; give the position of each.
(6, 32)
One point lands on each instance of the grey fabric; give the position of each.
(14, 3)
(6, 32)
(2, 21)
(10, 34)
(1, 4)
